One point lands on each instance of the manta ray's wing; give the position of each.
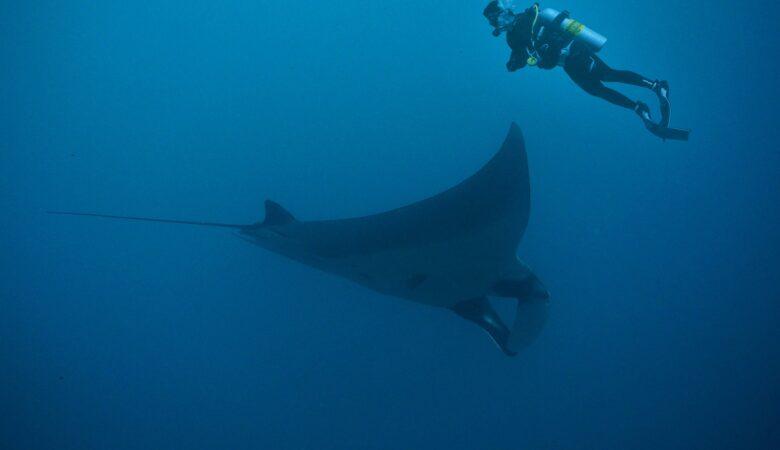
(499, 193)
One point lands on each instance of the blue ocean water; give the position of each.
(662, 258)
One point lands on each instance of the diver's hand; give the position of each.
(514, 66)
(517, 61)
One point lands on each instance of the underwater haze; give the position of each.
(662, 258)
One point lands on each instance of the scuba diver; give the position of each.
(548, 38)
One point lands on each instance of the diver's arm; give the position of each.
(521, 39)
(517, 60)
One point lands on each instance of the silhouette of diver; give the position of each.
(548, 38)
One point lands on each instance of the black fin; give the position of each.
(674, 134)
(479, 311)
(276, 215)
(662, 91)
(661, 128)
(665, 133)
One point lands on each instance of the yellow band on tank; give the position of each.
(575, 28)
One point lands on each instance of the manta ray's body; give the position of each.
(452, 250)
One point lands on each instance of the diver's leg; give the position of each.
(659, 87)
(589, 72)
(628, 77)
(586, 71)
(610, 75)
(596, 88)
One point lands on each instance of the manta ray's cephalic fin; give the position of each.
(479, 311)
(532, 304)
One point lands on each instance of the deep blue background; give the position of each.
(662, 258)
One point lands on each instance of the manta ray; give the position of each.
(453, 250)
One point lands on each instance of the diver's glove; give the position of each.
(516, 62)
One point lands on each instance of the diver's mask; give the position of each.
(502, 21)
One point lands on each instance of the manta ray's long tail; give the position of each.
(150, 219)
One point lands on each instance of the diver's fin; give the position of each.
(674, 134)
(661, 129)
(149, 219)
(662, 90)
(479, 311)
(663, 132)
(276, 215)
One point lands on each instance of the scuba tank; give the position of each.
(561, 22)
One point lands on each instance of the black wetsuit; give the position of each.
(582, 65)
(520, 40)
(590, 73)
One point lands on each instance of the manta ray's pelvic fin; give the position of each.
(276, 215)
(479, 311)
